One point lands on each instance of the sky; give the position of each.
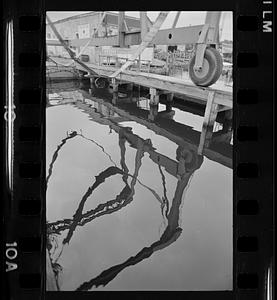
(186, 19)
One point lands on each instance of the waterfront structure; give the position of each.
(83, 26)
(205, 66)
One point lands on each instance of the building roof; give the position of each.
(111, 18)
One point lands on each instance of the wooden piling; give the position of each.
(208, 124)
(169, 97)
(169, 101)
(115, 90)
(154, 96)
(115, 85)
(51, 283)
(91, 79)
(130, 87)
(153, 112)
(181, 170)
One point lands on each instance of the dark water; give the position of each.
(130, 203)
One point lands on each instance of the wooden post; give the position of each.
(117, 61)
(115, 90)
(148, 39)
(139, 63)
(91, 79)
(212, 20)
(208, 123)
(51, 283)
(169, 97)
(130, 96)
(228, 114)
(227, 122)
(167, 64)
(153, 112)
(115, 98)
(181, 170)
(176, 19)
(115, 85)
(130, 86)
(143, 24)
(154, 96)
(121, 15)
(169, 101)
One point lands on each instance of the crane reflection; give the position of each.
(182, 168)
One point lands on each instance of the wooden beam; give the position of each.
(94, 33)
(51, 283)
(176, 19)
(212, 19)
(149, 23)
(179, 36)
(181, 141)
(121, 15)
(170, 165)
(209, 119)
(126, 26)
(69, 51)
(148, 38)
(169, 97)
(143, 24)
(166, 83)
(172, 84)
(154, 97)
(153, 112)
(53, 43)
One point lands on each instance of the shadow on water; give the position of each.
(103, 108)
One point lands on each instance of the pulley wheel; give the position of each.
(101, 83)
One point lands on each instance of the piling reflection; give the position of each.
(55, 155)
(113, 112)
(169, 236)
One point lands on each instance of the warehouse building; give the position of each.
(83, 26)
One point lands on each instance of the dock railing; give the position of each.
(139, 64)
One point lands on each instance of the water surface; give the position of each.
(130, 203)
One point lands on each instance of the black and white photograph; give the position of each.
(139, 151)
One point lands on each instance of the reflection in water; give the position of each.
(170, 235)
(60, 232)
(80, 219)
(55, 155)
(165, 205)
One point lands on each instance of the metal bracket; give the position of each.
(200, 48)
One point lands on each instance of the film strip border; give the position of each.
(253, 156)
(253, 170)
(24, 218)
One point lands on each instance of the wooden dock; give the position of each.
(223, 96)
(213, 98)
(180, 134)
(214, 154)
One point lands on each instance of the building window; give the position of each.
(48, 35)
(83, 31)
